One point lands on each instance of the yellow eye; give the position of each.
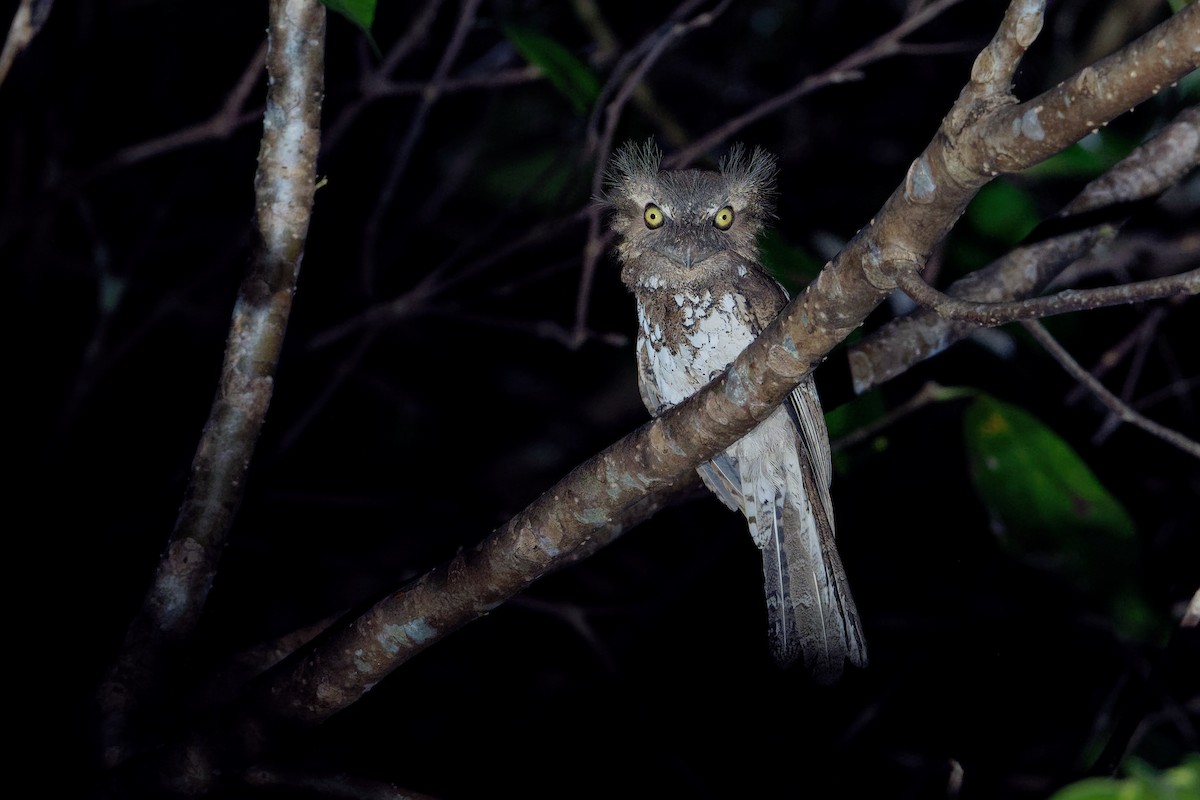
(724, 218)
(653, 216)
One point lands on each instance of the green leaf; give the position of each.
(863, 410)
(111, 290)
(1049, 509)
(361, 13)
(1031, 479)
(1004, 212)
(566, 72)
(851, 417)
(1189, 87)
(1091, 789)
(1144, 783)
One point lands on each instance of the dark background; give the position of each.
(643, 671)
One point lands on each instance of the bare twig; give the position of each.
(1136, 366)
(991, 314)
(1114, 355)
(607, 46)
(221, 125)
(284, 186)
(492, 80)
(375, 80)
(416, 127)
(347, 366)
(1110, 401)
(1144, 173)
(848, 69)
(26, 22)
(927, 395)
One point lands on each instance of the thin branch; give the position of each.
(492, 80)
(435, 282)
(644, 99)
(221, 125)
(1115, 354)
(636, 59)
(466, 19)
(1145, 173)
(928, 394)
(848, 69)
(1136, 366)
(284, 186)
(373, 81)
(347, 366)
(26, 22)
(992, 314)
(1110, 401)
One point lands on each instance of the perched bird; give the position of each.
(688, 253)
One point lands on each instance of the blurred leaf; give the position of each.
(848, 418)
(788, 264)
(540, 178)
(566, 72)
(361, 13)
(1144, 783)
(1049, 508)
(1189, 86)
(967, 252)
(1003, 212)
(852, 419)
(1091, 789)
(1031, 478)
(111, 290)
(863, 410)
(1088, 158)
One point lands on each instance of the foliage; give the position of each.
(361, 13)
(566, 72)
(1047, 506)
(1143, 783)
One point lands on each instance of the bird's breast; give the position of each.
(685, 337)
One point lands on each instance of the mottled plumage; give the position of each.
(688, 254)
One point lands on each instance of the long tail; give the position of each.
(810, 612)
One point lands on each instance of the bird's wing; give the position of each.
(722, 479)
